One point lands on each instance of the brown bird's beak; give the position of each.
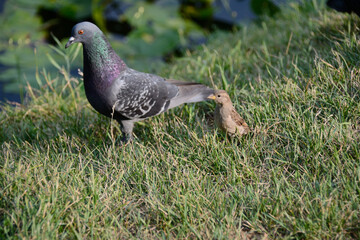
(71, 41)
(212, 97)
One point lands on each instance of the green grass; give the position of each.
(296, 81)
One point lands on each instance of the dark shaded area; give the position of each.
(113, 22)
(2, 3)
(200, 12)
(262, 7)
(57, 24)
(122, 28)
(12, 97)
(347, 6)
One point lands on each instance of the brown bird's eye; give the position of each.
(218, 95)
(80, 32)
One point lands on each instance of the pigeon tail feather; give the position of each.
(189, 93)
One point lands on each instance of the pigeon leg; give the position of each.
(126, 127)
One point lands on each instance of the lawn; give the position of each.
(294, 78)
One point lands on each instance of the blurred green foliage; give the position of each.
(199, 11)
(262, 7)
(158, 28)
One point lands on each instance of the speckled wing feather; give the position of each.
(239, 120)
(137, 95)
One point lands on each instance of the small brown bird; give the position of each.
(226, 117)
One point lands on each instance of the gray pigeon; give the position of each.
(122, 93)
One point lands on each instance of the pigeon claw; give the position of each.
(126, 139)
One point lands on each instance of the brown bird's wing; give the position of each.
(239, 120)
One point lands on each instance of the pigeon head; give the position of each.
(221, 97)
(82, 33)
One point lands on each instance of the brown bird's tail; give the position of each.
(189, 92)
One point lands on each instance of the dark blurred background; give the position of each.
(146, 33)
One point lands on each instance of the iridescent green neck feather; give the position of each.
(101, 64)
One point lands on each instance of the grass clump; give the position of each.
(294, 78)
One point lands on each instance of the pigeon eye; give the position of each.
(80, 32)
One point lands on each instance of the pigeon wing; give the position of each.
(138, 95)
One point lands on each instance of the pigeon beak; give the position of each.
(71, 41)
(212, 97)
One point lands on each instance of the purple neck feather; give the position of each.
(101, 64)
